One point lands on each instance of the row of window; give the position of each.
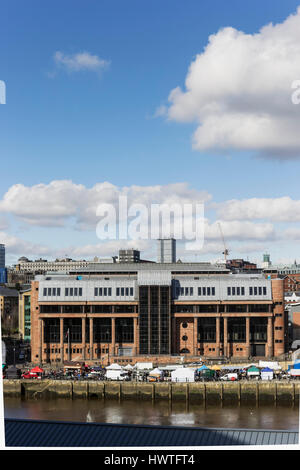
(77, 291)
(187, 291)
(241, 291)
(51, 291)
(107, 291)
(128, 291)
(211, 291)
(257, 291)
(56, 291)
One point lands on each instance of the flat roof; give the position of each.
(33, 433)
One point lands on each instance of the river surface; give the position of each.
(154, 413)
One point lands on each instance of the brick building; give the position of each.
(160, 310)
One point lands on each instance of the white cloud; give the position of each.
(248, 225)
(238, 231)
(62, 201)
(80, 61)
(283, 209)
(239, 91)
(15, 245)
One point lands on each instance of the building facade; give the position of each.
(25, 314)
(157, 310)
(9, 309)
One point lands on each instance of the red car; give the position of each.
(30, 375)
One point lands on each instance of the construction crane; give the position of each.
(226, 251)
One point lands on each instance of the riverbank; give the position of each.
(243, 392)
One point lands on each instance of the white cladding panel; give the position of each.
(205, 288)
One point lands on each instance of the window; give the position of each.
(186, 291)
(199, 290)
(238, 291)
(191, 290)
(105, 291)
(96, 291)
(204, 290)
(228, 290)
(264, 291)
(71, 291)
(109, 291)
(76, 291)
(242, 290)
(80, 291)
(131, 291)
(127, 291)
(49, 290)
(58, 291)
(233, 290)
(208, 291)
(213, 291)
(250, 290)
(66, 291)
(117, 291)
(122, 291)
(45, 291)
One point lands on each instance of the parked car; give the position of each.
(229, 377)
(30, 375)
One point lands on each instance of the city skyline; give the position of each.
(160, 103)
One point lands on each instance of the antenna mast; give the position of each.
(226, 251)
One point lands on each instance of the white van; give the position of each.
(116, 375)
(232, 376)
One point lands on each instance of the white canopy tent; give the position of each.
(267, 374)
(155, 372)
(183, 374)
(114, 367)
(143, 366)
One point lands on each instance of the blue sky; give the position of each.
(92, 125)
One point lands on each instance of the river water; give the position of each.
(154, 413)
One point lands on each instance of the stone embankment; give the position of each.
(243, 392)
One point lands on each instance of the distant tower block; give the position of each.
(166, 250)
(266, 261)
(2, 255)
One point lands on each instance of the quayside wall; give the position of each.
(200, 392)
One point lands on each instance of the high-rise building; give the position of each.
(166, 250)
(3, 273)
(2, 256)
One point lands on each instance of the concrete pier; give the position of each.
(210, 393)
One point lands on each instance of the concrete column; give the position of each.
(270, 337)
(195, 336)
(247, 336)
(91, 339)
(83, 324)
(41, 340)
(134, 349)
(225, 347)
(173, 348)
(113, 335)
(61, 331)
(218, 336)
